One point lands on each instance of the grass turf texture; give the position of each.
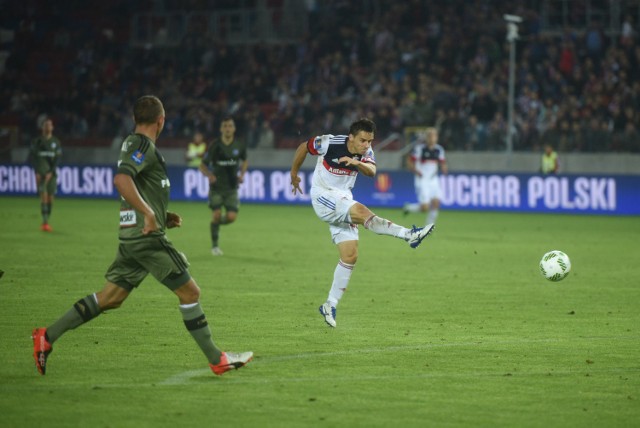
(463, 331)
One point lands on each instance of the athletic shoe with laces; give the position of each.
(41, 349)
(417, 234)
(329, 314)
(216, 251)
(231, 361)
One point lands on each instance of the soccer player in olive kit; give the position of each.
(141, 180)
(224, 164)
(340, 159)
(44, 154)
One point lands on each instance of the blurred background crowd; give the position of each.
(315, 66)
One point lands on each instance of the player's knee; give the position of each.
(231, 217)
(351, 260)
(188, 293)
(350, 256)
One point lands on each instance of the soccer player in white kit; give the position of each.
(424, 162)
(340, 159)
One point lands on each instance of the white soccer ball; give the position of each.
(555, 265)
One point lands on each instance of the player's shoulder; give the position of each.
(136, 142)
(336, 139)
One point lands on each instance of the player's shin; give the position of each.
(341, 277)
(383, 226)
(84, 310)
(197, 325)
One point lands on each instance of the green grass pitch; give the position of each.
(463, 331)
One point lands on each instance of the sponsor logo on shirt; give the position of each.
(137, 157)
(127, 218)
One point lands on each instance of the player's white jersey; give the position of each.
(427, 160)
(329, 173)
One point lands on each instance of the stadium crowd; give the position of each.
(420, 63)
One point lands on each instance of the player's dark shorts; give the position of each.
(224, 198)
(49, 187)
(153, 255)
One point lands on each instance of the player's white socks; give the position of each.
(341, 278)
(383, 226)
(412, 208)
(432, 216)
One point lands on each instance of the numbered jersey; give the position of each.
(140, 159)
(329, 173)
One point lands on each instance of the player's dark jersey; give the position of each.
(45, 154)
(423, 153)
(224, 160)
(140, 159)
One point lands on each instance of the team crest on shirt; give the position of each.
(137, 157)
(235, 152)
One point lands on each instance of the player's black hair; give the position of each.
(147, 109)
(363, 124)
(226, 118)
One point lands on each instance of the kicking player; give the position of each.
(142, 182)
(341, 158)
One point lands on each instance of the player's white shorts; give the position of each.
(426, 191)
(333, 207)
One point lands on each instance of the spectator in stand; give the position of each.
(395, 57)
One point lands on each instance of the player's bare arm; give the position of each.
(298, 160)
(243, 171)
(128, 190)
(207, 173)
(367, 169)
(412, 167)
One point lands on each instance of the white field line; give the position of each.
(184, 377)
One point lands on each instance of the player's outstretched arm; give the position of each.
(298, 160)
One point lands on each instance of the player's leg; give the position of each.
(360, 214)
(83, 311)
(171, 268)
(231, 206)
(215, 203)
(42, 195)
(348, 251)
(345, 236)
(196, 323)
(434, 211)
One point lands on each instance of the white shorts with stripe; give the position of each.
(428, 190)
(332, 206)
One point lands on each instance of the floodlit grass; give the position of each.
(463, 331)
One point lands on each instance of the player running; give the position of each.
(340, 159)
(142, 182)
(225, 165)
(425, 160)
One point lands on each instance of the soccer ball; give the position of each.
(555, 265)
